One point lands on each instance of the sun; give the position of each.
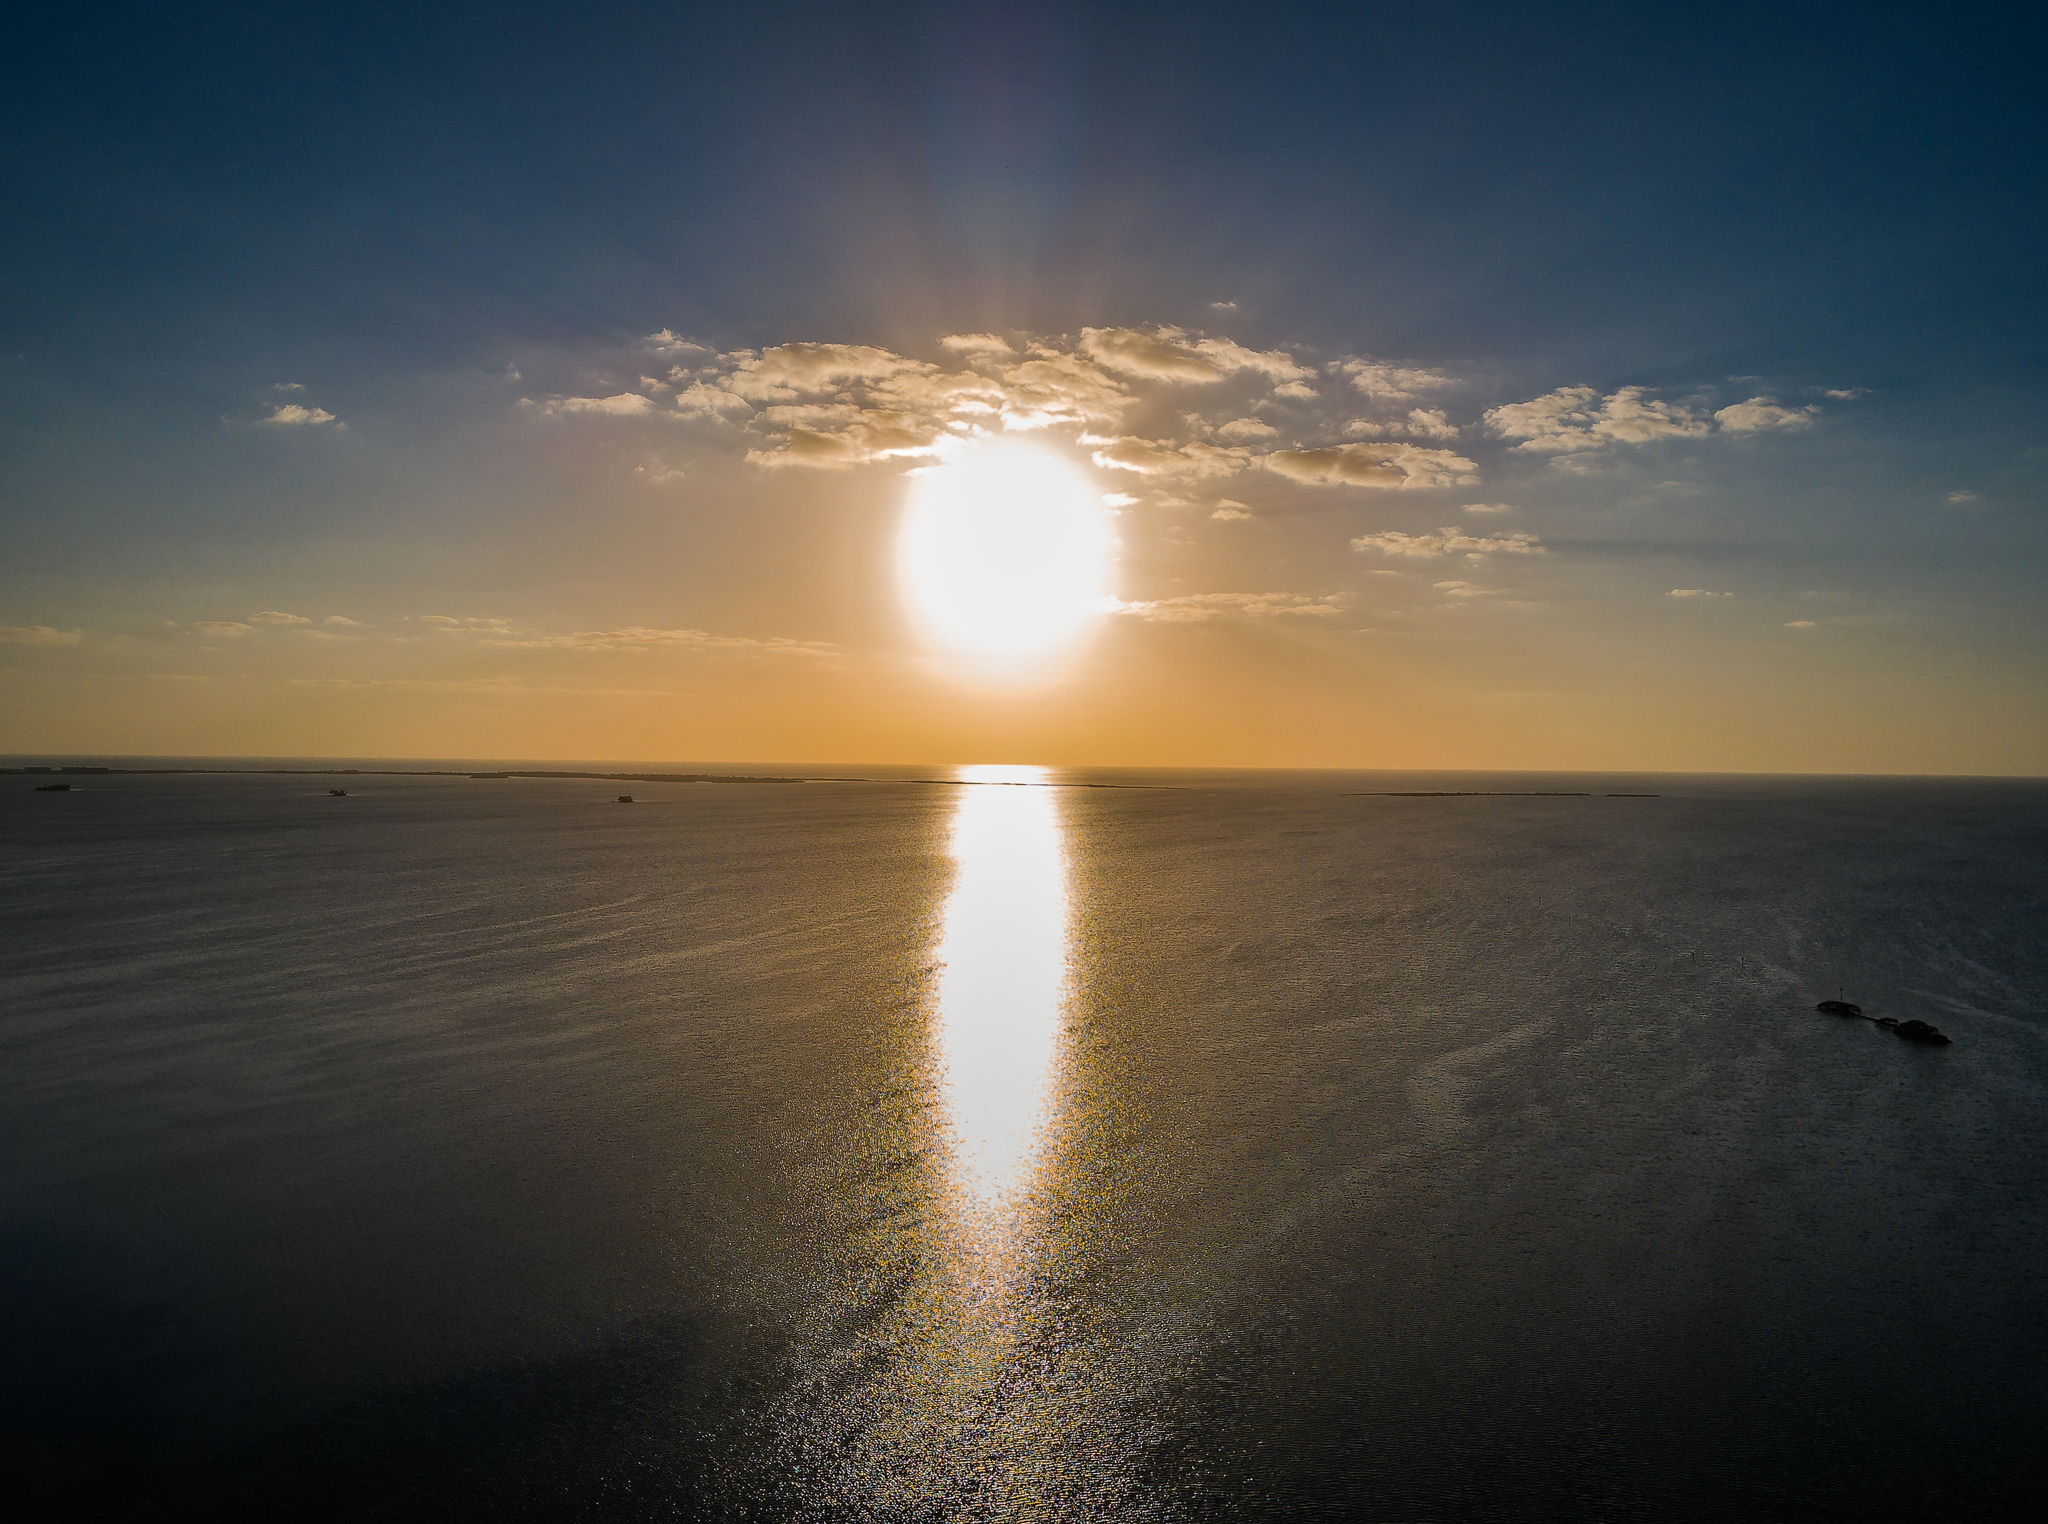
(1007, 555)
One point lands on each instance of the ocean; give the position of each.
(1001, 1145)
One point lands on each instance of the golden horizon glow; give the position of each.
(1006, 555)
(1002, 982)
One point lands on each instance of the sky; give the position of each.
(1467, 386)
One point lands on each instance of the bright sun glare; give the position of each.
(1007, 553)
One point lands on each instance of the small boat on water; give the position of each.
(623, 799)
(53, 788)
(1839, 1008)
(337, 793)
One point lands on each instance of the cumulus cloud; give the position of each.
(1228, 510)
(1845, 393)
(667, 341)
(1421, 423)
(1393, 383)
(1374, 465)
(832, 438)
(38, 635)
(1193, 608)
(1148, 356)
(1450, 542)
(278, 616)
(1696, 592)
(1245, 430)
(788, 371)
(297, 415)
(1761, 414)
(1576, 418)
(1489, 508)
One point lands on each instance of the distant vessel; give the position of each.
(624, 799)
(1839, 1008)
(337, 793)
(53, 788)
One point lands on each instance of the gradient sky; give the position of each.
(1483, 386)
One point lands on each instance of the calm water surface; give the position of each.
(1247, 1149)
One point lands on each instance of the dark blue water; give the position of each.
(468, 1149)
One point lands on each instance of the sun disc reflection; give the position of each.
(1002, 983)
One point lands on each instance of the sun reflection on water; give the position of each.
(975, 1378)
(1002, 982)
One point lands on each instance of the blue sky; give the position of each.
(420, 221)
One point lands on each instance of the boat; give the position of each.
(1839, 1008)
(337, 793)
(623, 799)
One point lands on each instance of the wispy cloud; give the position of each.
(1195, 608)
(1374, 465)
(1450, 542)
(38, 635)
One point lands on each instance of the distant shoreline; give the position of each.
(500, 775)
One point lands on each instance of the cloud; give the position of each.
(1194, 608)
(1801, 624)
(1223, 306)
(38, 635)
(1963, 498)
(1845, 393)
(834, 437)
(702, 399)
(978, 344)
(621, 405)
(1421, 423)
(1578, 418)
(1244, 430)
(1053, 388)
(1149, 457)
(278, 616)
(667, 341)
(1450, 542)
(1274, 364)
(1167, 354)
(294, 415)
(1761, 414)
(1489, 508)
(228, 629)
(643, 637)
(1374, 465)
(788, 371)
(1463, 590)
(1229, 511)
(1696, 592)
(1393, 383)
(341, 619)
(504, 634)
(1148, 356)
